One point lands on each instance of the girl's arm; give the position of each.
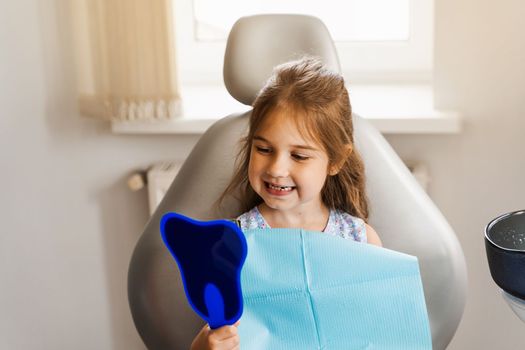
(223, 338)
(372, 237)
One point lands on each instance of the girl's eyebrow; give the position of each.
(260, 138)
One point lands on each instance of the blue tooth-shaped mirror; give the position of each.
(210, 255)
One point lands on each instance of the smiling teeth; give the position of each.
(279, 188)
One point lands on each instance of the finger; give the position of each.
(223, 333)
(205, 329)
(230, 343)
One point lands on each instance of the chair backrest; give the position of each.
(401, 211)
(256, 44)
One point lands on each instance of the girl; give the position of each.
(298, 167)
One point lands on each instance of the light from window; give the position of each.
(350, 20)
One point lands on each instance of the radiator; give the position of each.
(159, 178)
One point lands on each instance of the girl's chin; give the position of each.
(276, 204)
(272, 208)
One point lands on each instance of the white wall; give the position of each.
(480, 71)
(69, 223)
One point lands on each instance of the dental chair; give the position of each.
(401, 212)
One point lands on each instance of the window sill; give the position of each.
(392, 109)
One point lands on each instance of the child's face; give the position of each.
(287, 170)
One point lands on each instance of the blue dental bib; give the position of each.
(308, 290)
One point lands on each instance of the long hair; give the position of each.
(322, 112)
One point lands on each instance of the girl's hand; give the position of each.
(223, 338)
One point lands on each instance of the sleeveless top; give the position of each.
(339, 224)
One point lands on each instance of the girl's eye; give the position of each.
(263, 150)
(300, 157)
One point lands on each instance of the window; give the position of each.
(377, 40)
(347, 21)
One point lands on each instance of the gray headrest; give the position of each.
(258, 43)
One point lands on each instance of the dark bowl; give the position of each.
(505, 245)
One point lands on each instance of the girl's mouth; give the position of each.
(278, 190)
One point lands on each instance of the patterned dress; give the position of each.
(339, 224)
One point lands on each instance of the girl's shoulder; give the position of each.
(342, 224)
(252, 219)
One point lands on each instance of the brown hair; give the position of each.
(322, 112)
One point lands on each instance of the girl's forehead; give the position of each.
(284, 124)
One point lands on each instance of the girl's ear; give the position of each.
(335, 168)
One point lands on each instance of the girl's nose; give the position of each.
(278, 167)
